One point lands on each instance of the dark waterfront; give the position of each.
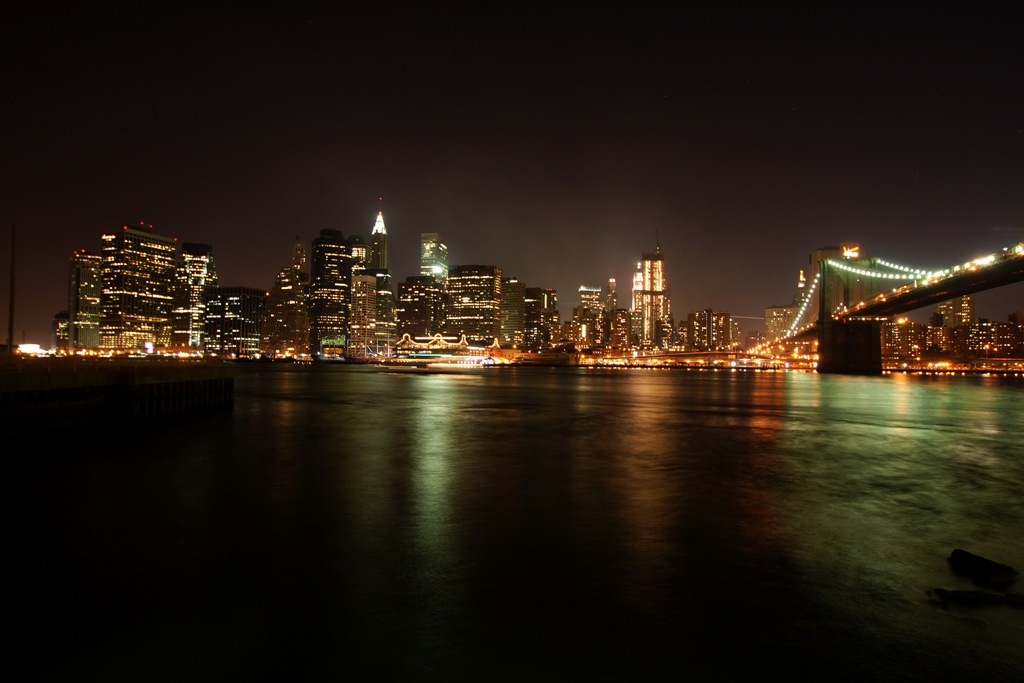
(343, 523)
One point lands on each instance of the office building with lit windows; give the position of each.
(956, 312)
(541, 309)
(233, 319)
(708, 330)
(420, 309)
(363, 317)
(195, 278)
(330, 275)
(284, 330)
(513, 313)
(474, 299)
(433, 256)
(137, 275)
(588, 318)
(84, 293)
(651, 301)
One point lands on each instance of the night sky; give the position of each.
(559, 146)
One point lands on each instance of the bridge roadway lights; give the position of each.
(850, 347)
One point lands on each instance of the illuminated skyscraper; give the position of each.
(385, 323)
(513, 313)
(956, 312)
(652, 301)
(541, 307)
(59, 331)
(433, 256)
(233, 319)
(590, 297)
(362, 317)
(137, 275)
(359, 250)
(611, 297)
(709, 330)
(420, 306)
(284, 329)
(195, 278)
(379, 242)
(330, 275)
(84, 293)
(588, 317)
(620, 329)
(474, 296)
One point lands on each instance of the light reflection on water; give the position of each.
(546, 524)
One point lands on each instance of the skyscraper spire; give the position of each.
(379, 243)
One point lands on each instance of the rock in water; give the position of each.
(980, 569)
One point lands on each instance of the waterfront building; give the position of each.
(708, 330)
(433, 256)
(903, 339)
(513, 313)
(753, 340)
(541, 314)
(621, 330)
(84, 293)
(385, 323)
(233, 319)
(284, 330)
(195, 278)
(420, 307)
(588, 318)
(330, 275)
(474, 299)
(779, 320)
(59, 339)
(137, 278)
(363, 317)
(991, 339)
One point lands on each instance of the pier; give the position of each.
(42, 392)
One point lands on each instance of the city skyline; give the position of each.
(737, 144)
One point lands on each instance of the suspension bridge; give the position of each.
(849, 335)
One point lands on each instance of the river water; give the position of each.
(556, 524)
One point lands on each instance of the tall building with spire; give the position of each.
(385, 323)
(379, 244)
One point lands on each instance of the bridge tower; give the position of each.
(847, 346)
